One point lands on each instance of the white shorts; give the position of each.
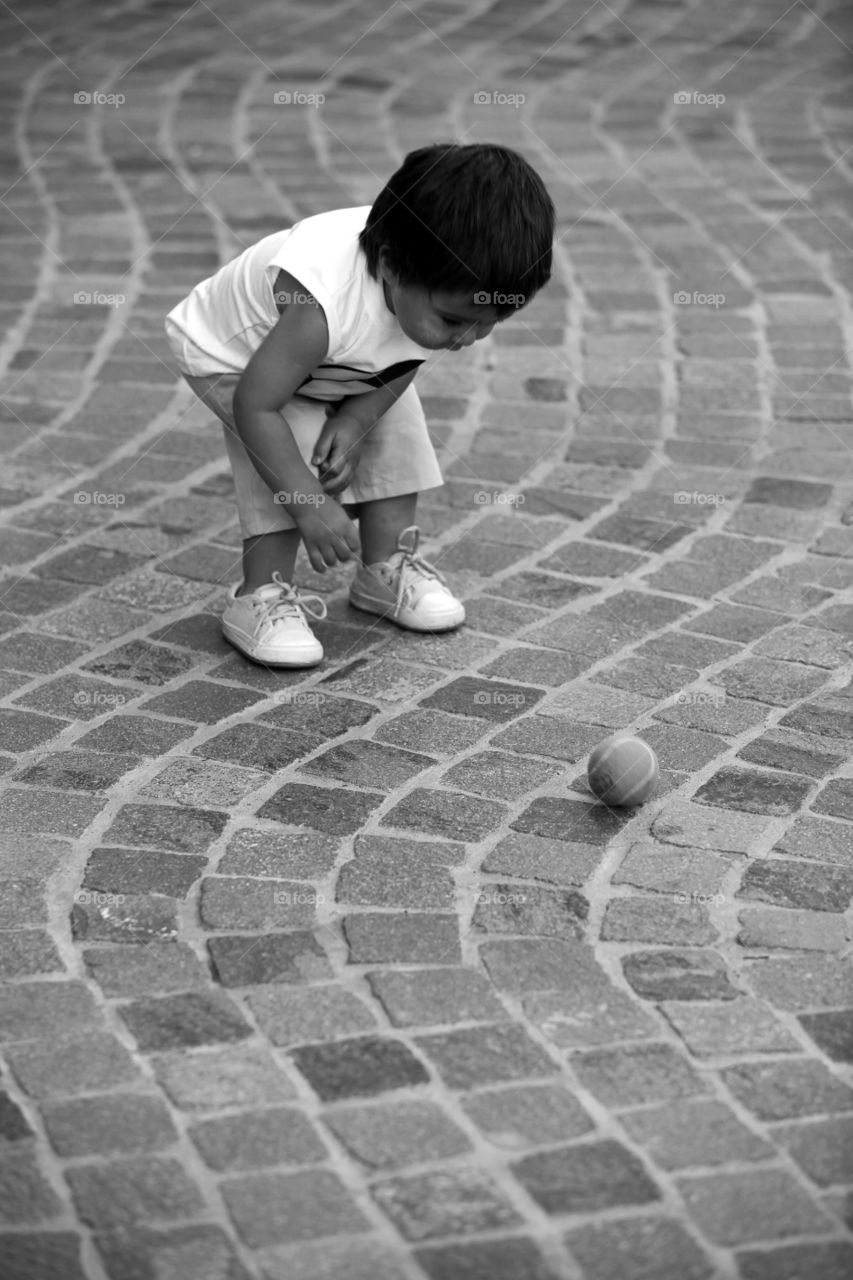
(397, 457)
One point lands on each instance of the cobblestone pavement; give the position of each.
(341, 974)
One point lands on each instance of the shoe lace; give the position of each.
(411, 565)
(291, 602)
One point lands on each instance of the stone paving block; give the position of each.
(358, 1257)
(678, 975)
(684, 873)
(333, 811)
(184, 1020)
(316, 715)
(793, 753)
(22, 730)
(78, 697)
(832, 1032)
(531, 909)
(694, 1133)
(394, 1134)
(242, 960)
(594, 1012)
(78, 770)
(649, 918)
(33, 1010)
(202, 701)
(836, 799)
(383, 680)
(125, 871)
(370, 764)
(809, 644)
(812, 886)
(108, 1124)
(71, 1064)
(118, 917)
(823, 717)
(559, 735)
(766, 928)
(831, 1261)
(193, 782)
(822, 1148)
(688, 825)
(322, 1013)
(811, 981)
(638, 1248)
(527, 1115)
(27, 952)
(184, 830)
(246, 903)
(156, 968)
(47, 1255)
(254, 851)
(562, 819)
(586, 1176)
(458, 1201)
(424, 997)
(13, 1125)
(765, 680)
(788, 1090)
(192, 1252)
(494, 773)
(499, 617)
(504, 1259)
(38, 654)
(134, 735)
(742, 1026)
(141, 662)
(445, 813)
(494, 700)
(733, 622)
(437, 732)
(359, 1067)
(119, 1193)
(395, 873)
(257, 1139)
(754, 792)
(25, 1195)
(409, 937)
(599, 705)
(735, 1208)
(490, 1054)
(255, 746)
(528, 857)
(212, 1080)
(51, 812)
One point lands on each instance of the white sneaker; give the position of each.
(269, 625)
(407, 590)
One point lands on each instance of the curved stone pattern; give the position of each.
(343, 974)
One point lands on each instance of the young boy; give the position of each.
(305, 347)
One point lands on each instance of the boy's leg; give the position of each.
(265, 554)
(380, 523)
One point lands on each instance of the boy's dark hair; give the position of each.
(473, 217)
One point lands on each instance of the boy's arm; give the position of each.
(341, 441)
(296, 345)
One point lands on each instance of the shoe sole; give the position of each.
(303, 658)
(383, 610)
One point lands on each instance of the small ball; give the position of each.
(623, 770)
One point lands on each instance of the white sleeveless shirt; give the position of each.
(222, 322)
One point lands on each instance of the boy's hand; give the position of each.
(327, 532)
(338, 450)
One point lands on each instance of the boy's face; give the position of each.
(436, 319)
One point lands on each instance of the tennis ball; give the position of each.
(623, 770)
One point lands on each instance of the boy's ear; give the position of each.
(386, 266)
